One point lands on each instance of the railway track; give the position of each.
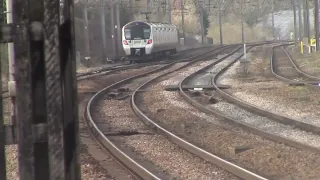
(131, 163)
(248, 116)
(284, 68)
(281, 120)
(306, 126)
(126, 66)
(112, 147)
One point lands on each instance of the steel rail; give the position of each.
(232, 168)
(128, 162)
(120, 67)
(104, 141)
(243, 104)
(272, 67)
(274, 116)
(254, 109)
(293, 62)
(236, 170)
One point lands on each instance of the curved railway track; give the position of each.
(136, 167)
(103, 139)
(265, 113)
(223, 116)
(306, 79)
(126, 66)
(230, 167)
(294, 123)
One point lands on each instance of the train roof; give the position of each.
(153, 24)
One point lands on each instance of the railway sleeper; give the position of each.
(303, 83)
(128, 133)
(240, 149)
(195, 87)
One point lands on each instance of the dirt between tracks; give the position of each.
(260, 88)
(95, 162)
(265, 157)
(308, 63)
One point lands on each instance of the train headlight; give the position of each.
(149, 41)
(125, 42)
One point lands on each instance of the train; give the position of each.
(148, 40)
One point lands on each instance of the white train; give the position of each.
(144, 40)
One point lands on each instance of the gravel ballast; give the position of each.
(261, 90)
(265, 157)
(95, 162)
(154, 150)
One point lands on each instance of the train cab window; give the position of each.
(127, 34)
(146, 33)
(137, 32)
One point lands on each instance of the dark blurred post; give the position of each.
(308, 22)
(200, 10)
(86, 35)
(112, 30)
(241, 14)
(300, 20)
(316, 24)
(295, 22)
(182, 20)
(46, 90)
(220, 23)
(273, 29)
(103, 30)
(118, 29)
(168, 3)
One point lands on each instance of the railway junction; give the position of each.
(245, 110)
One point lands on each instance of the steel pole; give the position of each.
(316, 24)
(273, 29)
(86, 35)
(242, 28)
(118, 28)
(169, 11)
(295, 22)
(103, 30)
(182, 19)
(220, 25)
(308, 21)
(112, 31)
(11, 61)
(300, 21)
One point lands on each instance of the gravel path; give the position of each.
(275, 160)
(153, 150)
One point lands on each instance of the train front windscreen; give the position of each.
(137, 32)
